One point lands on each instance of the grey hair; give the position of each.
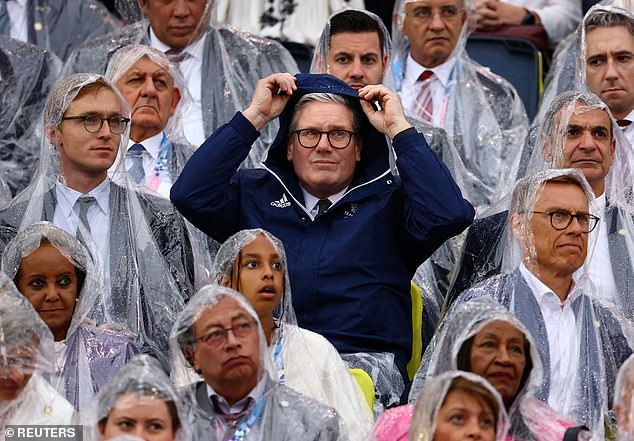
(609, 19)
(527, 189)
(323, 97)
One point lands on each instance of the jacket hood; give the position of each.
(374, 152)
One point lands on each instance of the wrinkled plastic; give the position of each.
(148, 268)
(482, 113)
(600, 333)
(623, 401)
(174, 142)
(233, 62)
(284, 413)
(26, 349)
(529, 417)
(304, 360)
(424, 419)
(27, 75)
(90, 354)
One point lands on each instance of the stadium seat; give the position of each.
(366, 385)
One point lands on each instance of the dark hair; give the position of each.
(464, 360)
(608, 19)
(356, 22)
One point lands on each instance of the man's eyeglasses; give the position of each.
(561, 219)
(218, 336)
(94, 123)
(425, 13)
(309, 138)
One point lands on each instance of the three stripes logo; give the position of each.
(282, 203)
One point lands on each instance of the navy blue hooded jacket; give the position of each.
(350, 268)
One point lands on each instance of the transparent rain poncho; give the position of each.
(433, 395)
(481, 112)
(144, 251)
(568, 69)
(27, 75)
(232, 62)
(140, 382)
(304, 360)
(529, 417)
(174, 151)
(27, 353)
(623, 401)
(280, 413)
(592, 334)
(89, 354)
(489, 238)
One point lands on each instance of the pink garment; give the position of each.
(394, 424)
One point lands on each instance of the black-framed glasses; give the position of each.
(426, 13)
(94, 123)
(218, 336)
(561, 219)
(309, 138)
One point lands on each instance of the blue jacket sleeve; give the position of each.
(207, 190)
(433, 209)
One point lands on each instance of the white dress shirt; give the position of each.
(440, 84)
(191, 68)
(563, 342)
(157, 176)
(66, 217)
(310, 201)
(599, 265)
(19, 19)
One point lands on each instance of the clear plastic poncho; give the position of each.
(90, 354)
(529, 417)
(141, 381)
(304, 360)
(486, 249)
(481, 112)
(232, 62)
(592, 334)
(279, 413)
(623, 401)
(27, 353)
(433, 395)
(27, 75)
(568, 68)
(174, 151)
(146, 255)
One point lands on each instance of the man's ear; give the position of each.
(289, 148)
(516, 222)
(176, 98)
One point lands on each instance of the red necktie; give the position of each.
(424, 103)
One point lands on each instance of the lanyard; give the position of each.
(161, 164)
(278, 358)
(245, 426)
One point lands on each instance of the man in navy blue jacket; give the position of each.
(354, 233)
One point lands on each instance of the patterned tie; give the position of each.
(232, 419)
(5, 21)
(623, 122)
(424, 103)
(322, 206)
(136, 172)
(84, 203)
(176, 56)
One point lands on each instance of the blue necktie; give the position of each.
(136, 172)
(5, 22)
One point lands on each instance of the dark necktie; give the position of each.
(232, 419)
(623, 122)
(176, 56)
(424, 102)
(136, 172)
(322, 206)
(84, 203)
(5, 21)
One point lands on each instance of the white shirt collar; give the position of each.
(541, 291)
(151, 144)
(310, 201)
(599, 202)
(69, 197)
(413, 70)
(194, 49)
(254, 394)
